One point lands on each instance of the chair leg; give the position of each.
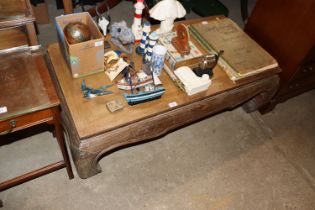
(31, 31)
(244, 10)
(68, 7)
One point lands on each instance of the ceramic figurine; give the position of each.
(102, 21)
(151, 43)
(181, 41)
(167, 11)
(192, 83)
(122, 35)
(113, 64)
(207, 64)
(91, 92)
(136, 26)
(145, 32)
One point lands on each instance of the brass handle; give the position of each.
(13, 125)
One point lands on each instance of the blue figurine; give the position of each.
(91, 92)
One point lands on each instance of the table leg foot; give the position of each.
(86, 164)
(264, 97)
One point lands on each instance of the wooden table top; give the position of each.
(91, 117)
(25, 83)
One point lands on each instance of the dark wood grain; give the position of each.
(13, 37)
(286, 30)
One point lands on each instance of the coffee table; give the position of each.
(93, 131)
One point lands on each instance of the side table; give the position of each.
(28, 98)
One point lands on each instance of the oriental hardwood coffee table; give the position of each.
(93, 131)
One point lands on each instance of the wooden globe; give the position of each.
(77, 32)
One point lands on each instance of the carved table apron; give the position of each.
(87, 153)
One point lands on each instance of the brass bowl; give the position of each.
(77, 32)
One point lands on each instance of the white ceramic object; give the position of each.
(167, 11)
(192, 83)
(136, 26)
(158, 56)
(103, 23)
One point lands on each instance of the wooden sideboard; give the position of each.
(286, 30)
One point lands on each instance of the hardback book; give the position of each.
(242, 56)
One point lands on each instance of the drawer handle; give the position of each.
(12, 124)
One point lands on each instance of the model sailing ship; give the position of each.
(151, 90)
(139, 80)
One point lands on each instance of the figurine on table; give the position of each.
(122, 35)
(207, 64)
(181, 41)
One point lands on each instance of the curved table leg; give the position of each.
(262, 98)
(86, 163)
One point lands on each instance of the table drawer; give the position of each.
(25, 121)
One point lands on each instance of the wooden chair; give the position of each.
(20, 15)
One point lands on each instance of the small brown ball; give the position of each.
(77, 32)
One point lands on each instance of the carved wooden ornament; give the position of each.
(181, 41)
